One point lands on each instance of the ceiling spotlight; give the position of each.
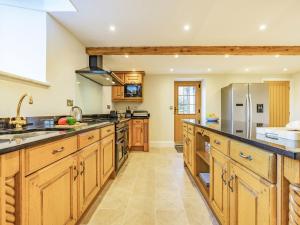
(208, 69)
(247, 69)
(285, 69)
(126, 56)
(226, 56)
(133, 69)
(171, 69)
(277, 56)
(113, 82)
(112, 28)
(176, 56)
(187, 27)
(262, 27)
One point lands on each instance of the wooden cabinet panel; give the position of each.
(185, 146)
(137, 132)
(106, 131)
(118, 91)
(52, 194)
(252, 199)
(133, 78)
(220, 143)
(10, 183)
(89, 178)
(43, 155)
(107, 152)
(218, 185)
(146, 135)
(261, 162)
(191, 153)
(88, 138)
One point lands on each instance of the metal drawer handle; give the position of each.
(248, 157)
(217, 142)
(58, 150)
(108, 131)
(90, 137)
(77, 173)
(82, 164)
(230, 185)
(222, 176)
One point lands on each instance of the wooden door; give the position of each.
(107, 152)
(187, 103)
(218, 185)
(89, 178)
(137, 133)
(52, 194)
(279, 103)
(252, 199)
(10, 188)
(118, 91)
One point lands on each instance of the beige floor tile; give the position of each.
(171, 217)
(108, 217)
(138, 217)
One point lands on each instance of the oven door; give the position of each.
(120, 150)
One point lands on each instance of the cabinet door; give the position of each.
(191, 153)
(52, 194)
(137, 133)
(133, 78)
(118, 91)
(252, 199)
(89, 178)
(185, 146)
(107, 151)
(10, 183)
(219, 169)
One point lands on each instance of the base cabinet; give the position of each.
(140, 134)
(51, 196)
(107, 152)
(218, 185)
(89, 175)
(252, 199)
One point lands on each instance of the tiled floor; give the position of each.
(151, 189)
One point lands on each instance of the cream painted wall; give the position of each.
(64, 54)
(295, 89)
(159, 96)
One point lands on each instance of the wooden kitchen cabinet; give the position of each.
(118, 91)
(107, 156)
(219, 170)
(133, 78)
(10, 193)
(191, 153)
(89, 175)
(51, 194)
(252, 199)
(140, 134)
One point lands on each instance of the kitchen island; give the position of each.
(246, 178)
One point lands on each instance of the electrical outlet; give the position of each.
(108, 106)
(70, 102)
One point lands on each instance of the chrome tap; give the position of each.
(19, 121)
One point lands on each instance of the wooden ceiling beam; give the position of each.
(195, 50)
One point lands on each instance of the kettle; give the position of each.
(76, 113)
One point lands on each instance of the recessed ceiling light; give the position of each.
(187, 27)
(247, 69)
(113, 82)
(208, 69)
(277, 56)
(226, 56)
(126, 56)
(112, 28)
(262, 27)
(171, 69)
(285, 69)
(133, 69)
(107, 78)
(176, 56)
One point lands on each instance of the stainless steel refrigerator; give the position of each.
(244, 107)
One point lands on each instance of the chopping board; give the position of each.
(76, 125)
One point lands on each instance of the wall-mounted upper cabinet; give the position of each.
(132, 91)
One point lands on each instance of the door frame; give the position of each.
(187, 82)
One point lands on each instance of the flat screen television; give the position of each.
(133, 90)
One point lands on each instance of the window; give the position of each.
(186, 100)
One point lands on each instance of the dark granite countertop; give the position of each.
(50, 135)
(280, 146)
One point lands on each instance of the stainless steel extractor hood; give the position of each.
(95, 73)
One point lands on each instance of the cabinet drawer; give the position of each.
(105, 131)
(88, 138)
(191, 129)
(43, 155)
(220, 143)
(261, 162)
(133, 78)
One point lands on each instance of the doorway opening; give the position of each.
(187, 105)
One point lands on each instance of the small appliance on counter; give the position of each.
(113, 114)
(128, 113)
(140, 114)
(76, 113)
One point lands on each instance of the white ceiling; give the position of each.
(212, 22)
(160, 22)
(205, 64)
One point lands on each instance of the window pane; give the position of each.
(180, 90)
(192, 109)
(192, 100)
(186, 100)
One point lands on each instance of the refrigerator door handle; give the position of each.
(247, 115)
(250, 115)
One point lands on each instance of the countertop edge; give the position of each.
(273, 149)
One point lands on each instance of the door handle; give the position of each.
(230, 185)
(248, 157)
(82, 164)
(77, 173)
(222, 177)
(58, 150)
